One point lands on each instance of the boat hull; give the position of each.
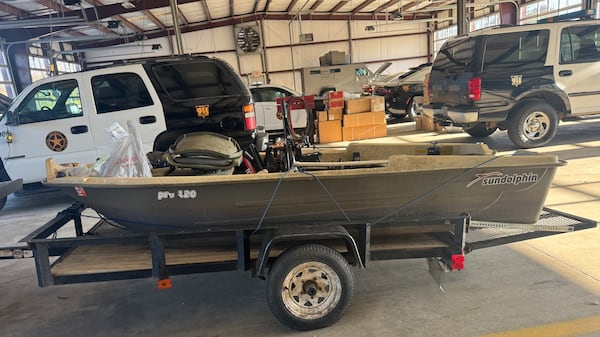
(488, 188)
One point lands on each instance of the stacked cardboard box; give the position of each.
(356, 119)
(364, 118)
(329, 122)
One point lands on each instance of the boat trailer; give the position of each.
(69, 250)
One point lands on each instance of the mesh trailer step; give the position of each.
(489, 234)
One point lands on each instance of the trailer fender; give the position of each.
(293, 235)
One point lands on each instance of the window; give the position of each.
(440, 36)
(192, 80)
(456, 55)
(7, 87)
(50, 101)
(533, 11)
(268, 94)
(119, 91)
(39, 67)
(485, 21)
(580, 44)
(523, 48)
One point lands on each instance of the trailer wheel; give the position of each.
(310, 287)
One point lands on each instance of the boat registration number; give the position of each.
(179, 194)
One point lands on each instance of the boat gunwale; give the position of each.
(393, 166)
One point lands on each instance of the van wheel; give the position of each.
(479, 130)
(532, 125)
(310, 287)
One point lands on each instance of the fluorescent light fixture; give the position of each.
(127, 5)
(113, 24)
(46, 22)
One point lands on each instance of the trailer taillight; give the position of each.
(458, 262)
(474, 89)
(249, 117)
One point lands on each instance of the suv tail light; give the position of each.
(474, 89)
(249, 117)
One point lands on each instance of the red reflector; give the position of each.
(164, 284)
(249, 117)
(458, 262)
(475, 89)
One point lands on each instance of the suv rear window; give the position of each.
(192, 80)
(455, 55)
(525, 49)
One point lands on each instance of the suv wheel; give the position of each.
(479, 130)
(532, 125)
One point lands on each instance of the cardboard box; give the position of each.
(377, 103)
(364, 118)
(329, 131)
(335, 104)
(330, 115)
(424, 123)
(333, 95)
(335, 57)
(364, 132)
(322, 116)
(356, 105)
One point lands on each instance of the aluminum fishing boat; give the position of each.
(364, 182)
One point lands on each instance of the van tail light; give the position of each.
(249, 117)
(475, 89)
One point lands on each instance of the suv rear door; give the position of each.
(451, 72)
(578, 68)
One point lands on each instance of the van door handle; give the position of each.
(147, 119)
(79, 129)
(564, 73)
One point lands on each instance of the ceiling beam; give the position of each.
(19, 13)
(234, 21)
(155, 20)
(339, 5)
(316, 5)
(291, 5)
(361, 6)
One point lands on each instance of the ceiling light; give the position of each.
(127, 5)
(113, 24)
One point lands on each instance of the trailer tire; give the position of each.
(310, 287)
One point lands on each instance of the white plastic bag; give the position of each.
(127, 158)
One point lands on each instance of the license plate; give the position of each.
(202, 110)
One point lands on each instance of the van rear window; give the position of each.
(523, 48)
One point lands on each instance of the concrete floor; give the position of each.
(547, 287)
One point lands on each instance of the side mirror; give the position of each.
(11, 118)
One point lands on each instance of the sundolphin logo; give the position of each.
(499, 178)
